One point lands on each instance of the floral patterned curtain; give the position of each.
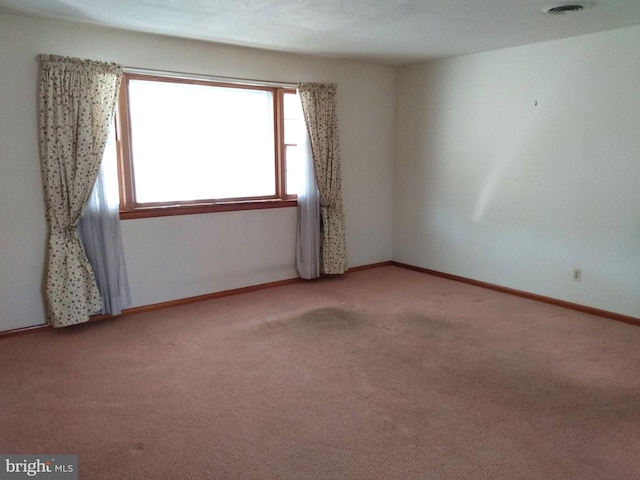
(77, 102)
(319, 107)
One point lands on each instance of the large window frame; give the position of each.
(130, 208)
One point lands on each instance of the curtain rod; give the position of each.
(195, 76)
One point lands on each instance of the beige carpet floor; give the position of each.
(381, 374)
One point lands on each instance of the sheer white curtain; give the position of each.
(99, 230)
(308, 238)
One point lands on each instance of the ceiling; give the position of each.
(392, 32)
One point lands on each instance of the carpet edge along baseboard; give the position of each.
(521, 293)
(252, 288)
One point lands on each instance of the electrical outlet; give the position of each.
(577, 274)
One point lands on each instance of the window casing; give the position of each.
(194, 146)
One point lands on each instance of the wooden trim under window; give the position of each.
(205, 208)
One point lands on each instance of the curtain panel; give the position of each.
(319, 108)
(101, 237)
(308, 235)
(77, 102)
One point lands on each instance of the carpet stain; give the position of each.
(311, 325)
(137, 447)
(330, 319)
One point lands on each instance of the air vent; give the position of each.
(562, 8)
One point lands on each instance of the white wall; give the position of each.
(177, 257)
(491, 187)
(487, 185)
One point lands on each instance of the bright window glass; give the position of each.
(192, 142)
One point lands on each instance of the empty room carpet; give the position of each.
(381, 374)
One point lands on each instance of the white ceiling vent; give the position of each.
(561, 8)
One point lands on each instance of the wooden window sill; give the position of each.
(170, 210)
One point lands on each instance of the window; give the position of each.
(193, 145)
